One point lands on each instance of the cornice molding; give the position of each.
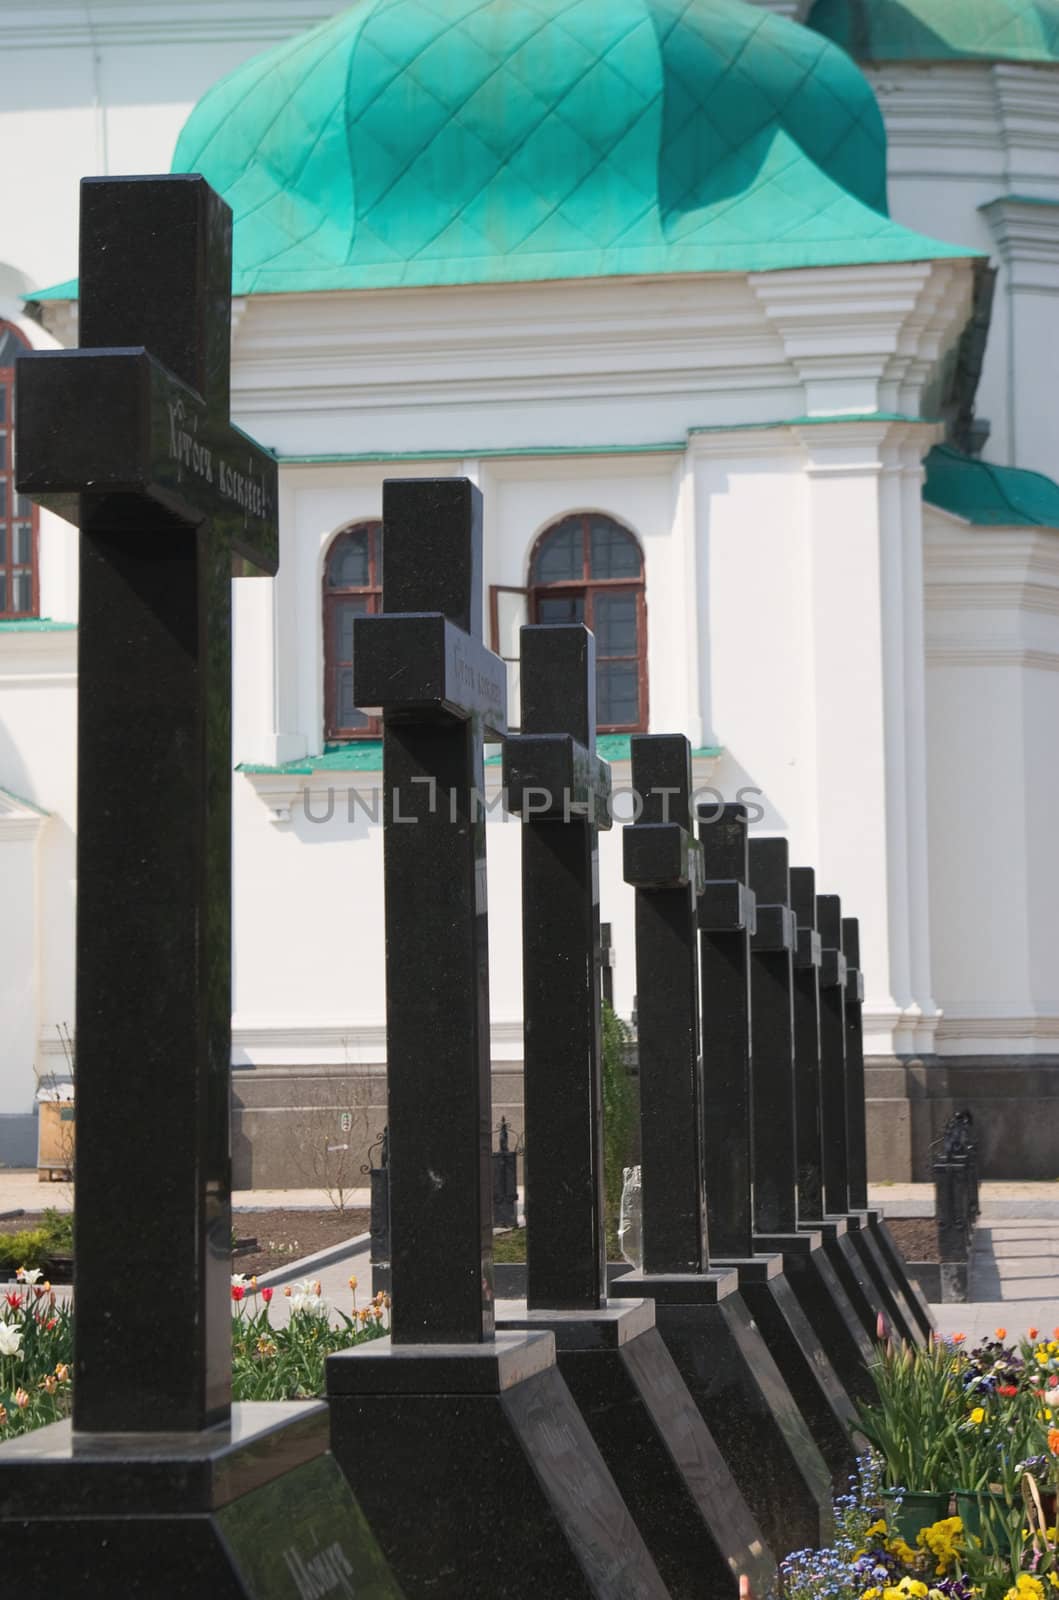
(604, 362)
(1027, 236)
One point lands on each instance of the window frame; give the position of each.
(331, 600)
(9, 518)
(588, 587)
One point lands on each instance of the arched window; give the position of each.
(588, 568)
(352, 588)
(19, 595)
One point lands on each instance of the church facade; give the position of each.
(740, 317)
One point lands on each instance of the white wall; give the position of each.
(992, 692)
(92, 88)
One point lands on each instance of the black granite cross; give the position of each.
(833, 1055)
(772, 1027)
(129, 437)
(553, 777)
(856, 1108)
(663, 862)
(423, 662)
(727, 920)
(807, 961)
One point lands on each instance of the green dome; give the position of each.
(941, 30)
(462, 141)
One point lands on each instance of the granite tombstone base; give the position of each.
(850, 1270)
(802, 1359)
(748, 1408)
(254, 1510)
(891, 1253)
(888, 1287)
(651, 1434)
(480, 1476)
(831, 1314)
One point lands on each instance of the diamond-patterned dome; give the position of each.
(455, 141)
(941, 30)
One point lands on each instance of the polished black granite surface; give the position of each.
(486, 1482)
(653, 1438)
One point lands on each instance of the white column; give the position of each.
(20, 978)
(868, 734)
(1027, 236)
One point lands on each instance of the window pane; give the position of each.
(356, 606)
(559, 557)
(3, 402)
(23, 541)
(347, 565)
(561, 608)
(3, 451)
(3, 543)
(614, 616)
(348, 715)
(617, 693)
(23, 506)
(3, 497)
(3, 591)
(23, 591)
(614, 552)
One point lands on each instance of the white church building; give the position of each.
(743, 317)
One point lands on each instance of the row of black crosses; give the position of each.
(130, 437)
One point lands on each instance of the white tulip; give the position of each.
(10, 1339)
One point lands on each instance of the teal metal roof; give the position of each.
(365, 755)
(459, 141)
(989, 495)
(941, 30)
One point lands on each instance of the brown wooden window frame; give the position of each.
(10, 517)
(589, 587)
(371, 728)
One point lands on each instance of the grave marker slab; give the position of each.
(727, 915)
(763, 1284)
(835, 1224)
(130, 438)
(902, 1308)
(888, 1252)
(717, 1345)
(651, 1435)
(447, 1425)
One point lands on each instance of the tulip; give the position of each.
(14, 1301)
(238, 1291)
(10, 1339)
(266, 1295)
(29, 1275)
(21, 1399)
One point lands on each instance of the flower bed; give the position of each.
(269, 1362)
(959, 1498)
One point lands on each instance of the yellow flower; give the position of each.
(1026, 1588)
(872, 1594)
(901, 1551)
(978, 1416)
(876, 1527)
(62, 1372)
(1053, 1580)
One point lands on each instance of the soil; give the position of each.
(282, 1236)
(915, 1237)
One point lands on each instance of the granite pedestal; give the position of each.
(481, 1475)
(252, 1507)
(820, 1294)
(722, 1357)
(671, 1473)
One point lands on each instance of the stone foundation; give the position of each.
(313, 1127)
(1014, 1101)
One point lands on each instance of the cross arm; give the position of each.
(103, 423)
